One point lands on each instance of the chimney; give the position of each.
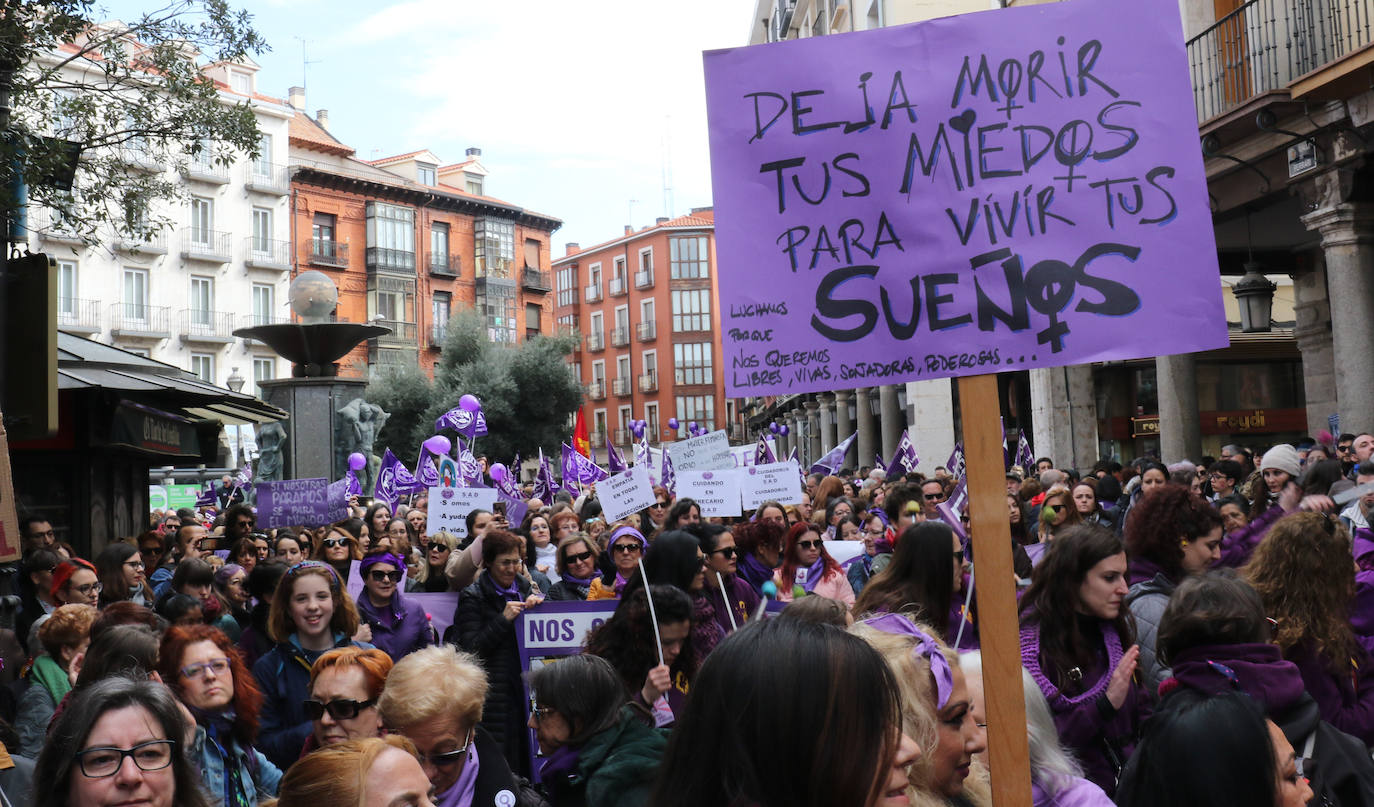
(322, 118)
(697, 210)
(629, 230)
(296, 98)
(660, 220)
(571, 248)
(474, 152)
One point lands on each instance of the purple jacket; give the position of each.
(1080, 793)
(969, 641)
(743, 600)
(406, 631)
(1346, 699)
(1362, 611)
(1260, 671)
(1140, 570)
(1237, 547)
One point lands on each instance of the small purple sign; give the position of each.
(294, 503)
(996, 191)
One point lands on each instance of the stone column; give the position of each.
(798, 430)
(1064, 415)
(811, 449)
(868, 432)
(932, 421)
(1313, 334)
(844, 426)
(1347, 239)
(827, 421)
(1180, 425)
(892, 419)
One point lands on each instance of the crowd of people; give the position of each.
(1198, 633)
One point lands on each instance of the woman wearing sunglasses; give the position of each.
(808, 569)
(344, 687)
(625, 547)
(205, 672)
(729, 596)
(399, 625)
(339, 549)
(576, 568)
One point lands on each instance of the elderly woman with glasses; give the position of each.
(205, 672)
(484, 625)
(626, 547)
(576, 568)
(344, 687)
(434, 697)
(399, 625)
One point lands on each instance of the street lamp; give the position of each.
(235, 380)
(1255, 299)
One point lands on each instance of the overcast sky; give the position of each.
(576, 107)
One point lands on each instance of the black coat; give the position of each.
(480, 629)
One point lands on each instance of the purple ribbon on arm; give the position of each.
(925, 646)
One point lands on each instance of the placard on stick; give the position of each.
(449, 508)
(10, 540)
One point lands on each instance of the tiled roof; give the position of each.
(704, 218)
(305, 132)
(397, 157)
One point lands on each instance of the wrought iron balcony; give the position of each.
(644, 279)
(620, 386)
(536, 281)
(139, 321)
(402, 333)
(438, 333)
(205, 245)
(619, 287)
(620, 337)
(78, 316)
(596, 390)
(204, 168)
(49, 225)
(269, 178)
(597, 439)
(149, 244)
(444, 264)
(647, 330)
(596, 342)
(267, 253)
(390, 260)
(206, 327)
(623, 437)
(648, 382)
(327, 252)
(593, 293)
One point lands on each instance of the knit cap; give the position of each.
(1282, 457)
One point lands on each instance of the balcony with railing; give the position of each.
(147, 244)
(402, 333)
(648, 382)
(621, 386)
(647, 330)
(201, 326)
(328, 252)
(211, 246)
(204, 168)
(644, 279)
(438, 332)
(597, 438)
(445, 264)
(266, 253)
(737, 433)
(52, 227)
(536, 281)
(269, 178)
(593, 293)
(254, 320)
(623, 437)
(1264, 45)
(390, 260)
(620, 337)
(78, 316)
(596, 342)
(596, 390)
(619, 287)
(139, 321)
(141, 158)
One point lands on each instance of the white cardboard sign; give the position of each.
(709, 452)
(716, 492)
(774, 481)
(625, 493)
(449, 508)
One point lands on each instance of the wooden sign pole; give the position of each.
(1008, 753)
(9, 515)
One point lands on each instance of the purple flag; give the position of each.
(834, 460)
(353, 486)
(904, 459)
(952, 510)
(245, 476)
(579, 469)
(614, 462)
(955, 463)
(425, 472)
(544, 485)
(1006, 452)
(668, 478)
(392, 480)
(468, 424)
(795, 458)
(763, 452)
(642, 456)
(1025, 457)
(469, 472)
(207, 497)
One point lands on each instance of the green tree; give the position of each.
(528, 393)
(132, 95)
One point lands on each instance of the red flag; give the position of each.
(581, 441)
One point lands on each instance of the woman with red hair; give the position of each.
(205, 672)
(808, 569)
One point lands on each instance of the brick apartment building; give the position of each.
(645, 306)
(410, 241)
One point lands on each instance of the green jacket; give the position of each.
(615, 768)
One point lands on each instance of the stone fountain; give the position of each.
(316, 398)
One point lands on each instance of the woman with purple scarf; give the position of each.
(760, 544)
(732, 600)
(808, 569)
(399, 626)
(626, 547)
(658, 676)
(1077, 642)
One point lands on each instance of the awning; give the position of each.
(84, 364)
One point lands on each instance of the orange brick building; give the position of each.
(410, 242)
(645, 306)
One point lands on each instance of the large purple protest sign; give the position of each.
(996, 191)
(294, 503)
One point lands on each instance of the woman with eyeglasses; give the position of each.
(760, 545)
(484, 625)
(877, 541)
(117, 742)
(576, 560)
(626, 640)
(119, 568)
(434, 698)
(310, 615)
(207, 674)
(1305, 576)
(399, 625)
(626, 547)
(64, 635)
(729, 596)
(430, 574)
(655, 516)
(75, 582)
(339, 549)
(344, 687)
(1057, 513)
(808, 569)
(837, 511)
(595, 751)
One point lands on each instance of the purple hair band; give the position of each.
(925, 647)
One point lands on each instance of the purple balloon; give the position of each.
(497, 472)
(470, 403)
(672, 423)
(692, 426)
(438, 445)
(356, 461)
(637, 430)
(773, 427)
(782, 430)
